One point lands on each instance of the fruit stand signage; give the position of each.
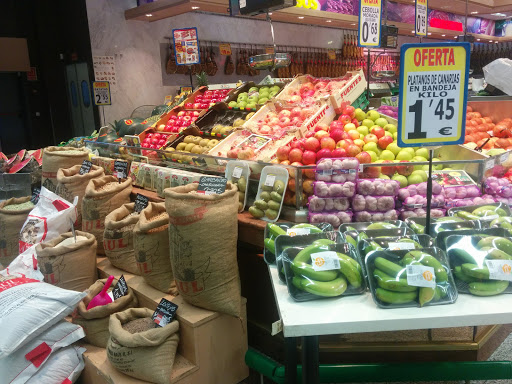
(101, 93)
(434, 87)
(420, 17)
(370, 13)
(225, 49)
(186, 47)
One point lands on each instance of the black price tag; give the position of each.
(121, 169)
(164, 313)
(211, 185)
(141, 202)
(121, 288)
(85, 168)
(35, 195)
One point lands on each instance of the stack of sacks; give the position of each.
(36, 343)
(375, 200)
(413, 201)
(499, 189)
(334, 188)
(464, 195)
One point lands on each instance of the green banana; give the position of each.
(348, 269)
(270, 245)
(361, 236)
(449, 219)
(417, 228)
(462, 255)
(430, 261)
(501, 243)
(495, 254)
(466, 215)
(391, 283)
(426, 295)
(406, 260)
(275, 230)
(501, 220)
(437, 294)
(351, 240)
(350, 229)
(311, 227)
(320, 242)
(306, 270)
(488, 210)
(371, 247)
(395, 297)
(462, 276)
(488, 288)
(474, 270)
(324, 288)
(388, 267)
(381, 225)
(406, 240)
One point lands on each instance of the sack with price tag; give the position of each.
(102, 196)
(71, 183)
(94, 321)
(11, 222)
(204, 262)
(60, 157)
(69, 264)
(118, 238)
(146, 355)
(151, 245)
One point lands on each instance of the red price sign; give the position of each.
(225, 49)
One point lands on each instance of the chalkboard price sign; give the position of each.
(212, 185)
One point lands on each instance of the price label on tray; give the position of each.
(237, 172)
(85, 168)
(396, 246)
(270, 180)
(504, 157)
(421, 276)
(297, 231)
(325, 261)
(499, 269)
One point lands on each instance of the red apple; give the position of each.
(295, 112)
(345, 119)
(283, 152)
(384, 141)
(324, 152)
(309, 173)
(337, 134)
(295, 155)
(353, 150)
(320, 134)
(297, 144)
(364, 157)
(312, 144)
(284, 121)
(344, 143)
(371, 172)
(379, 132)
(388, 170)
(336, 125)
(321, 85)
(188, 105)
(350, 111)
(327, 142)
(404, 170)
(354, 135)
(370, 138)
(355, 122)
(309, 134)
(309, 157)
(284, 113)
(296, 121)
(182, 113)
(322, 127)
(285, 162)
(339, 152)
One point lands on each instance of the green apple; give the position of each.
(388, 134)
(436, 167)
(423, 167)
(395, 135)
(382, 122)
(410, 150)
(233, 104)
(253, 89)
(251, 105)
(272, 94)
(373, 115)
(242, 104)
(423, 152)
(387, 155)
(448, 169)
(421, 173)
(418, 159)
(383, 176)
(390, 128)
(393, 147)
(371, 146)
(373, 155)
(262, 89)
(275, 88)
(368, 123)
(401, 179)
(403, 155)
(360, 115)
(363, 130)
(414, 179)
(262, 100)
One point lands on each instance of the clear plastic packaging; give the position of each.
(461, 191)
(421, 212)
(378, 187)
(504, 222)
(419, 189)
(239, 173)
(393, 243)
(487, 212)
(364, 226)
(335, 218)
(481, 264)
(442, 236)
(373, 203)
(480, 200)
(337, 170)
(271, 190)
(323, 189)
(272, 231)
(320, 204)
(315, 272)
(417, 278)
(392, 214)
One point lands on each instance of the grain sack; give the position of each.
(67, 264)
(60, 157)
(64, 366)
(203, 242)
(118, 238)
(147, 355)
(95, 320)
(151, 244)
(71, 183)
(102, 196)
(13, 214)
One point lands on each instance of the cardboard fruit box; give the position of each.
(203, 98)
(233, 96)
(219, 121)
(177, 115)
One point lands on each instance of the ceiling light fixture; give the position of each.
(328, 21)
(490, 41)
(301, 17)
(474, 12)
(443, 35)
(429, 33)
(195, 7)
(270, 14)
(353, 24)
(498, 14)
(149, 15)
(412, 31)
(477, 39)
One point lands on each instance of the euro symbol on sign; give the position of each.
(445, 131)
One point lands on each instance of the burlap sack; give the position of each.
(118, 238)
(11, 223)
(68, 266)
(147, 355)
(203, 242)
(151, 243)
(95, 321)
(60, 157)
(102, 196)
(71, 183)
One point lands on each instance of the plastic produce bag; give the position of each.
(498, 73)
(25, 265)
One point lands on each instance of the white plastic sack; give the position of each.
(28, 307)
(63, 367)
(21, 365)
(498, 73)
(51, 217)
(25, 265)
